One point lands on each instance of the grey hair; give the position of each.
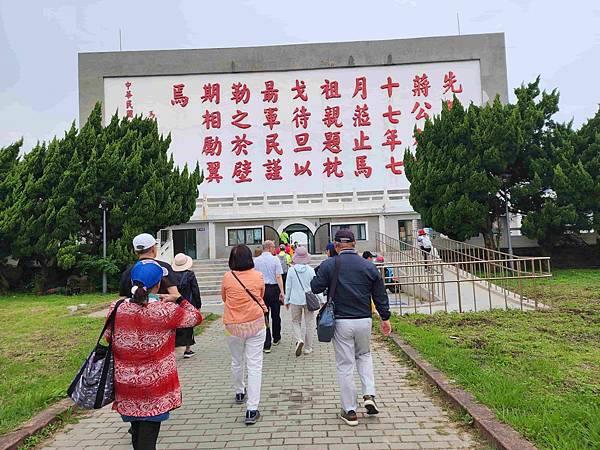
(268, 244)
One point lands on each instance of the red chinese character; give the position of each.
(330, 89)
(128, 104)
(211, 92)
(211, 120)
(301, 141)
(300, 89)
(394, 166)
(449, 81)
(212, 146)
(238, 117)
(422, 113)
(301, 116)
(242, 171)
(128, 84)
(302, 170)
(331, 167)
(213, 171)
(332, 142)
(271, 118)
(240, 145)
(449, 104)
(362, 168)
(361, 116)
(128, 94)
(178, 97)
(240, 93)
(389, 86)
(272, 144)
(421, 85)
(129, 113)
(273, 169)
(332, 115)
(360, 86)
(361, 142)
(270, 94)
(151, 115)
(391, 139)
(390, 115)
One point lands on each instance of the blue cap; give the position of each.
(148, 272)
(330, 246)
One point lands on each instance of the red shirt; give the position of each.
(146, 381)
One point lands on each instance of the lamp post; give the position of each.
(104, 208)
(505, 179)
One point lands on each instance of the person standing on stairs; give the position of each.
(187, 284)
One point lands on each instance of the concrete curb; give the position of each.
(500, 435)
(14, 439)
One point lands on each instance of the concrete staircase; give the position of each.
(209, 273)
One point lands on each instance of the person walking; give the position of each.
(242, 291)
(271, 270)
(146, 383)
(188, 288)
(298, 282)
(286, 261)
(145, 248)
(357, 281)
(424, 243)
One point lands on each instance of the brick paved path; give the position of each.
(299, 405)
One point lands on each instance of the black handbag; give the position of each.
(326, 316)
(93, 387)
(312, 300)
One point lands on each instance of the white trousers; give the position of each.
(352, 345)
(309, 321)
(247, 352)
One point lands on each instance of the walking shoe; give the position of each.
(370, 404)
(349, 417)
(252, 417)
(299, 347)
(276, 342)
(188, 354)
(239, 398)
(308, 351)
(267, 350)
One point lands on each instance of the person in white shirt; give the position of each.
(270, 267)
(424, 243)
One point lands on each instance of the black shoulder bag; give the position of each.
(93, 387)
(326, 316)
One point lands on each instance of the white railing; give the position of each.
(165, 248)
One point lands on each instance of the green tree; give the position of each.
(468, 161)
(53, 215)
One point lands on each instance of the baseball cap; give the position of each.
(143, 241)
(148, 272)
(344, 236)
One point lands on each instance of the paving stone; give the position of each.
(299, 406)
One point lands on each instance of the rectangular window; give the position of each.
(248, 236)
(359, 230)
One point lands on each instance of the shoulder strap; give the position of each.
(334, 280)
(301, 285)
(247, 290)
(110, 321)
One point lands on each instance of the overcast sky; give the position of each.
(40, 39)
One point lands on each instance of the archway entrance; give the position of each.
(301, 234)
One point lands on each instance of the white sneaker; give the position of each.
(299, 347)
(308, 351)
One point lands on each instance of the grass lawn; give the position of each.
(539, 371)
(42, 346)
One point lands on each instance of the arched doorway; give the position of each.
(301, 234)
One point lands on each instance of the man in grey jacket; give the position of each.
(358, 282)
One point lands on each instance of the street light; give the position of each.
(103, 206)
(505, 179)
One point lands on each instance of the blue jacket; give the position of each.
(358, 282)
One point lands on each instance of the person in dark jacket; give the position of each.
(358, 282)
(188, 288)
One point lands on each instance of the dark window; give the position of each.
(359, 230)
(248, 236)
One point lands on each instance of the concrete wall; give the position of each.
(489, 49)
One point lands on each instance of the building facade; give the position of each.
(303, 138)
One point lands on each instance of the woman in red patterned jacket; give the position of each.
(146, 381)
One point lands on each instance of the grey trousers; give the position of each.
(352, 345)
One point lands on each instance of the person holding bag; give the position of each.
(143, 344)
(297, 284)
(244, 317)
